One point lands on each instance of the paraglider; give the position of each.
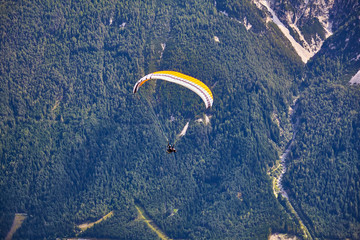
(170, 148)
(189, 82)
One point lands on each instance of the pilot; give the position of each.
(170, 148)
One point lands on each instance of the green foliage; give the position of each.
(75, 143)
(324, 165)
(244, 9)
(311, 28)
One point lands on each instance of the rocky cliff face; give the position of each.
(310, 22)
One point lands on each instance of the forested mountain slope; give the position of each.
(323, 176)
(75, 143)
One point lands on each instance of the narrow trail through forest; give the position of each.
(150, 223)
(88, 225)
(18, 220)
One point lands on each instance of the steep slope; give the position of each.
(76, 144)
(310, 22)
(323, 172)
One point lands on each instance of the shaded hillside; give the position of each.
(76, 144)
(323, 176)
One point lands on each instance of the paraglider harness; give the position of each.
(170, 148)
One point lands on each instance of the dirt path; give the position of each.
(278, 236)
(150, 223)
(85, 226)
(18, 220)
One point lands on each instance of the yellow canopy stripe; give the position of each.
(189, 78)
(181, 79)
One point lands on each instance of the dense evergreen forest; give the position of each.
(324, 167)
(76, 143)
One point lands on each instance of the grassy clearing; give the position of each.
(85, 226)
(279, 236)
(18, 220)
(150, 223)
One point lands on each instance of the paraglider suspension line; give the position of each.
(155, 118)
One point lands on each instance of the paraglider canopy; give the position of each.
(189, 82)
